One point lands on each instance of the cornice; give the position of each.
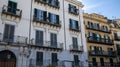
(95, 17)
(76, 2)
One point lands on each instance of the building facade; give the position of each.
(36, 33)
(115, 27)
(100, 44)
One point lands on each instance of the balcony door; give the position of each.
(102, 61)
(76, 60)
(75, 43)
(54, 59)
(39, 38)
(7, 59)
(53, 40)
(94, 62)
(9, 33)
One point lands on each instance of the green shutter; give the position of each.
(45, 15)
(57, 17)
(77, 25)
(35, 13)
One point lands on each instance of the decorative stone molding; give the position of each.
(76, 2)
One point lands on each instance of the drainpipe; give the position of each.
(64, 25)
(30, 21)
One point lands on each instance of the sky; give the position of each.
(107, 8)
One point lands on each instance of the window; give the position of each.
(107, 39)
(98, 37)
(90, 25)
(13, 7)
(102, 61)
(54, 3)
(76, 60)
(75, 43)
(9, 33)
(40, 15)
(95, 37)
(111, 62)
(39, 59)
(73, 9)
(110, 51)
(96, 50)
(54, 59)
(104, 28)
(94, 62)
(54, 19)
(53, 38)
(118, 48)
(74, 24)
(96, 26)
(39, 38)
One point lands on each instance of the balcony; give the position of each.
(46, 21)
(100, 40)
(103, 64)
(45, 63)
(13, 40)
(97, 29)
(76, 49)
(47, 45)
(75, 12)
(102, 53)
(58, 24)
(6, 10)
(54, 4)
(68, 63)
(41, 1)
(74, 29)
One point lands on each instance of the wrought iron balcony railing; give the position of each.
(11, 11)
(15, 39)
(102, 53)
(45, 63)
(46, 21)
(100, 40)
(76, 48)
(48, 44)
(97, 29)
(103, 64)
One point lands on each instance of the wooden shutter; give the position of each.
(39, 58)
(49, 17)
(45, 15)
(39, 38)
(75, 43)
(69, 8)
(76, 60)
(57, 3)
(50, 1)
(77, 26)
(6, 32)
(70, 20)
(57, 19)
(9, 33)
(54, 58)
(35, 13)
(13, 7)
(53, 38)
